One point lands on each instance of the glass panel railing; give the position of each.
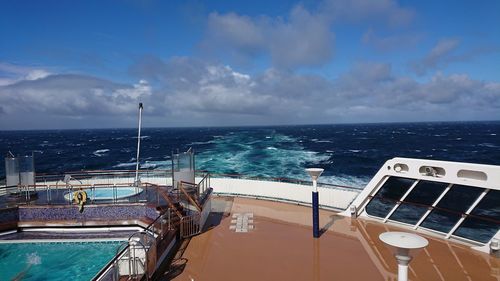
(451, 207)
(388, 195)
(414, 206)
(484, 221)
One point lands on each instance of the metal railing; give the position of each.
(165, 175)
(195, 195)
(201, 173)
(137, 258)
(54, 194)
(58, 189)
(51, 189)
(106, 176)
(190, 225)
(204, 184)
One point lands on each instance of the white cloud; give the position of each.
(195, 92)
(388, 11)
(36, 74)
(303, 39)
(369, 92)
(13, 73)
(72, 95)
(393, 42)
(445, 52)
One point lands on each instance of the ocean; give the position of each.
(350, 153)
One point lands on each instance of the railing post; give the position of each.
(168, 219)
(48, 194)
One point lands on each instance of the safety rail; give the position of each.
(190, 225)
(110, 176)
(188, 196)
(204, 184)
(97, 193)
(201, 173)
(167, 174)
(138, 257)
(48, 188)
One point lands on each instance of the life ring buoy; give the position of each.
(80, 197)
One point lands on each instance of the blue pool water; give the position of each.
(107, 193)
(54, 261)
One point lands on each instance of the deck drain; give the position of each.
(241, 222)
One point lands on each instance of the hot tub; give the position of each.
(107, 193)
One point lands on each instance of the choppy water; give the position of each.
(350, 154)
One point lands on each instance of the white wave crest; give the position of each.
(33, 259)
(100, 152)
(122, 165)
(345, 180)
(259, 156)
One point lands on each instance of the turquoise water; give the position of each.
(54, 261)
(106, 193)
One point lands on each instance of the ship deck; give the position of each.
(248, 239)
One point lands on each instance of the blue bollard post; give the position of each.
(315, 173)
(315, 207)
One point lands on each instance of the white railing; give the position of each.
(329, 198)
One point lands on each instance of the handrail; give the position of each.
(206, 176)
(169, 202)
(187, 183)
(204, 172)
(189, 198)
(280, 179)
(190, 225)
(110, 263)
(203, 185)
(104, 171)
(150, 228)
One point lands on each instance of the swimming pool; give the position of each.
(54, 260)
(108, 193)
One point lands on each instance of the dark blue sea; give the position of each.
(350, 154)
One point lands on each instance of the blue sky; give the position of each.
(84, 64)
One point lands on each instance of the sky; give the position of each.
(87, 64)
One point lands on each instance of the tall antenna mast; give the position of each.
(136, 182)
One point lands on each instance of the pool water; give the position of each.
(54, 260)
(107, 193)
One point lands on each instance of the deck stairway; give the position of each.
(188, 206)
(183, 212)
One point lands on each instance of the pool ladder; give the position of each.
(136, 257)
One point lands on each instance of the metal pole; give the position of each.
(136, 182)
(402, 272)
(315, 203)
(403, 262)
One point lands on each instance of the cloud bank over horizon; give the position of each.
(190, 92)
(258, 69)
